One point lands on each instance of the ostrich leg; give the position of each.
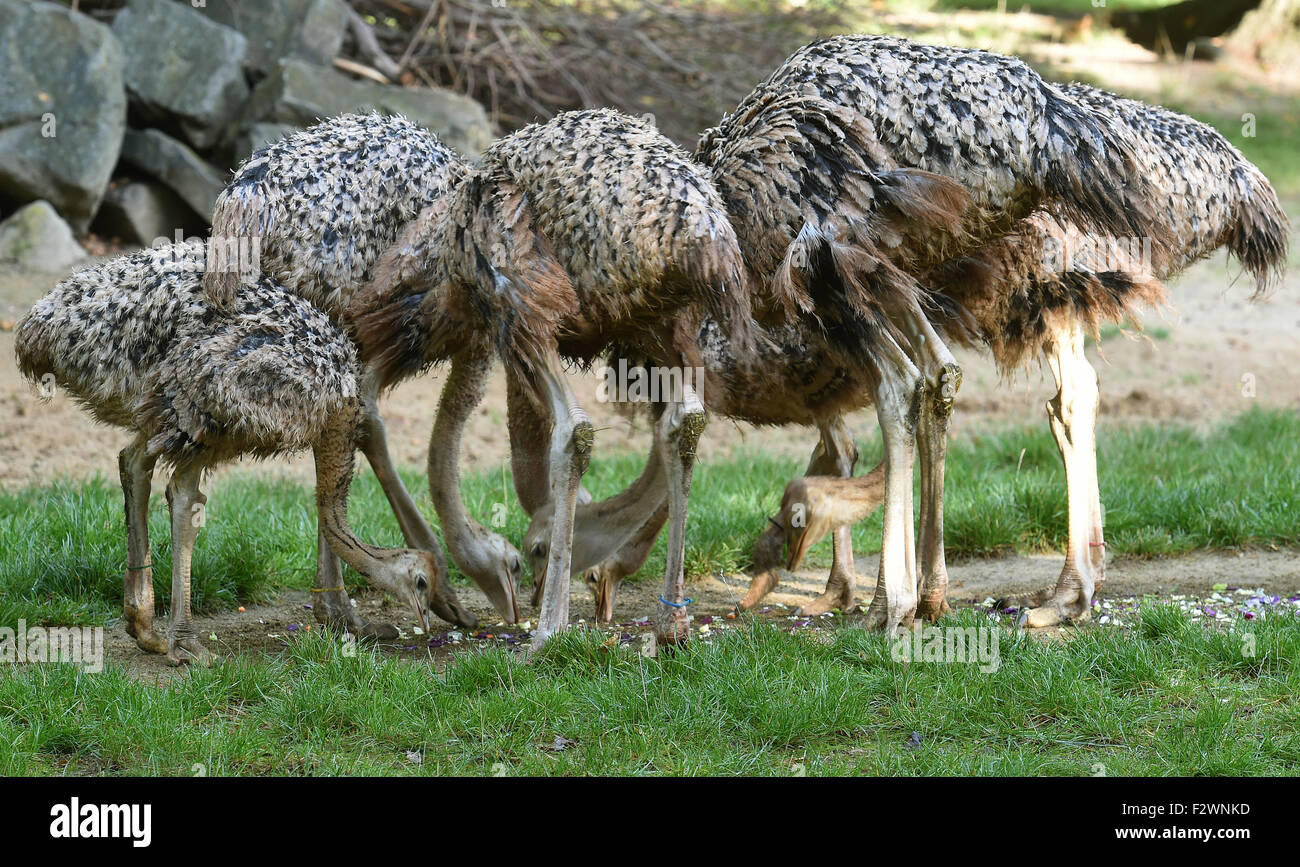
(183, 495)
(529, 465)
(373, 440)
(940, 379)
(572, 436)
(135, 468)
(893, 606)
(834, 455)
(1072, 414)
(679, 430)
(838, 448)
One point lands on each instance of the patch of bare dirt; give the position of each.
(267, 630)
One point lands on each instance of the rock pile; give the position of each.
(130, 125)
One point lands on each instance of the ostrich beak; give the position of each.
(605, 589)
(420, 614)
(801, 539)
(506, 602)
(606, 595)
(499, 588)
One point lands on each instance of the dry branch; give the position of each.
(529, 59)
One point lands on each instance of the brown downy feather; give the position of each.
(798, 171)
(509, 255)
(401, 318)
(1012, 286)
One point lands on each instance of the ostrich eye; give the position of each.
(421, 582)
(515, 565)
(538, 549)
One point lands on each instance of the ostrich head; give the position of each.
(496, 569)
(411, 576)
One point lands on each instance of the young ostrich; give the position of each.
(911, 155)
(588, 230)
(320, 208)
(1042, 288)
(136, 342)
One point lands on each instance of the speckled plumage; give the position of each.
(1013, 143)
(1207, 195)
(136, 342)
(327, 201)
(589, 228)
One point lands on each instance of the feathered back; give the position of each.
(1209, 194)
(988, 122)
(136, 342)
(321, 206)
(798, 172)
(592, 220)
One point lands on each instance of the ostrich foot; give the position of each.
(931, 608)
(879, 619)
(141, 629)
(1067, 605)
(839, 594)
(672, 627)
(334, 611)
(1070, 601)
(762, 584)
(187, 649)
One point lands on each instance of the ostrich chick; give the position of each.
(135, 341)
(574, 235)
(319, 209)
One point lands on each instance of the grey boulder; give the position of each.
(159, 155)
(62, 108)
(310, 30)
(141, 212)
(182, 67)
(35, 238)
(300, 94)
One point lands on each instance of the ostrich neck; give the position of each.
(466, 385)
(334, 464)
(601, 528)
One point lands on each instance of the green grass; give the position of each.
(1166, 695)
(1169, 697)
(1167, 489)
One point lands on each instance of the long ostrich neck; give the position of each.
(466, 385)
(601, 528)
(334, 464)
